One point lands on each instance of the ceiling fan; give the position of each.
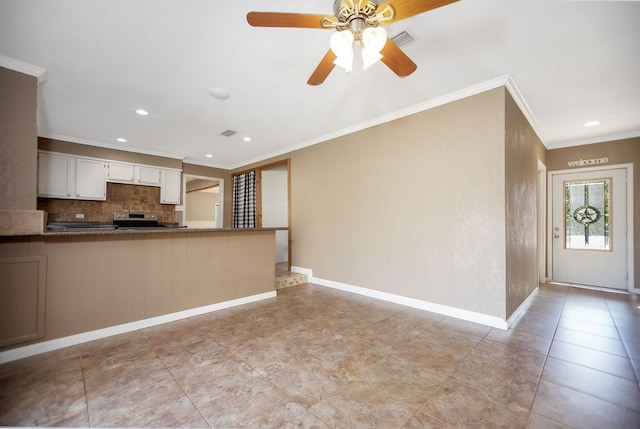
(355, 20)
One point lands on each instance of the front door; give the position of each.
(589, 228)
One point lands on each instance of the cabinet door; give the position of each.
(148, 175)
(91, 183)
(120, 172)
(56, 175)
(170, 189)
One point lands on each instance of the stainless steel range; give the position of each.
(136, 220)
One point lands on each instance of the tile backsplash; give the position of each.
(120, 197)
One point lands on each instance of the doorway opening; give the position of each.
(203, 202)
(274, 209)
(271, 206)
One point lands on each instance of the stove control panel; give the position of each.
(135, 216)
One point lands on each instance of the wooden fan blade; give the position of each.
(324, 68)
(298, 20)
(397, 60)
(406, 8)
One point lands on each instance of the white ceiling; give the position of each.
(568, 62)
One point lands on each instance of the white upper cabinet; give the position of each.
(68, 176)
(147, 175)
(170, 189)
(119, 172)
(91, 180)
(132, 173)
(56, 175)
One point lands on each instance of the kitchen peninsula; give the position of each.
(73, 286)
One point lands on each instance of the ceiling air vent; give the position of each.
(228, 133)
(402, 38)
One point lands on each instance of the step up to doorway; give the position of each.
(288, 279)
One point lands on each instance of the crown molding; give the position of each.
(416, 108)
(109, 146)
(517, 96)
(595, 140)
(194, 161)
(22, 67)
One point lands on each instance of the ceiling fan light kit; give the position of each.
(355, 21)
(341, 44)
(373, 40)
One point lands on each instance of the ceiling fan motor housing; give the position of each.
(346, 11)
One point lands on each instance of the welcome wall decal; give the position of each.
(583, 162)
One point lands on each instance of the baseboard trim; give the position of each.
(72, 340)
(522, 307)
(301, 270)
(458, 313)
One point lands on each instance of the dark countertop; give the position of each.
(80, 231)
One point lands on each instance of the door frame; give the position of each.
(183, 206)
(630, 254)
(541, 222)
(283, 162)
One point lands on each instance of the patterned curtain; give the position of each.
(244, 200)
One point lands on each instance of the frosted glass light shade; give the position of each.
(341, 44)
(373, 40)
(369, 58)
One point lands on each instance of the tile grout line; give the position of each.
(583, 366)
(624, 344)
(84, 387)
(174, 379)
(544, 364)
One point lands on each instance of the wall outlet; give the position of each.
(79, 215)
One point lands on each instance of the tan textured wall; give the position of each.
(201, 205)
(98, 281)
(625, 151)
(413, 207)
(18, 140)
(523, 149)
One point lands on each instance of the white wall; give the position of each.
(275, 210)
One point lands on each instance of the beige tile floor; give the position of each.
(317, 357)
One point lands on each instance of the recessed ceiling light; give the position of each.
(209, 155)
(247, 139)
(121, 140)
(220, 94)
(142, 112)
(591, 123)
